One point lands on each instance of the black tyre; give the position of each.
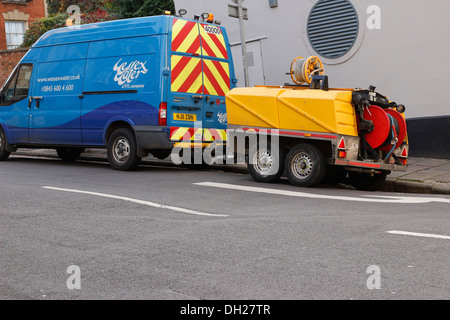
(335, 175)
(69, 154)
(266, 164)
(196, 154)
(366, 182)
(161, 154)
(305, 165)
(198, 167)
(4, 154)
(122, 150)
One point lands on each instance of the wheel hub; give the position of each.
(302, 166)
(121, 150)
(263, 161)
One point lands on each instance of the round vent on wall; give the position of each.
(333, 28)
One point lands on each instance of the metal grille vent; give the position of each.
(333, 27)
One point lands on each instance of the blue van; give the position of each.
(134, 87)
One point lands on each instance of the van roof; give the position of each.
(105, 31)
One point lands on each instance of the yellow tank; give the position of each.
(292, 109)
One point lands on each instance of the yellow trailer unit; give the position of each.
(312, 133)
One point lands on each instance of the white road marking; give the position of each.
(416, 234)
(146, 203)
(370, 198)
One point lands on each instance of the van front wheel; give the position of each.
(4, 154)
(122, 150)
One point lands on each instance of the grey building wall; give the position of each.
(407, 59)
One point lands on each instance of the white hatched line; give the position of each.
(146, 203)
(417, 234)
(367, 198)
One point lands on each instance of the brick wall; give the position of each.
(8, 61)
(35, 9)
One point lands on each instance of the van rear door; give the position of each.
(216, 79)
(201, 75)
(185, 106)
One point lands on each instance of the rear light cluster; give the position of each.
(342, 150)
(404, 156)
(162, 114)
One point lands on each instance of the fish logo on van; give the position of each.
(127, 72)
(222, 117)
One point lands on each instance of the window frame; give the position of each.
(9, 35)
(15, 77)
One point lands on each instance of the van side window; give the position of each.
(17, 88)
(8, 90)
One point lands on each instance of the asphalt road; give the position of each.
(171, 233)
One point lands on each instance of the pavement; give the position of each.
(424, 175)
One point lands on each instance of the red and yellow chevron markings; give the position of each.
(186, 134)
(197, 134)
(186, 71)
(185, 37)
(214, 135)
(213, 42)
(187, 74)
(217, 77)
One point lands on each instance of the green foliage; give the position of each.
(91, 11)
(56, 6)
(39, 27)
(121, 9)
(94, 11)
(86, 6)
(141, 8)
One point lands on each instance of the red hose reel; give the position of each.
(388, 124)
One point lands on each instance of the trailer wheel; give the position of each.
(69, 154)
(335, 175)
(4, 155)
(266, 164)
(366, 182)
(305, 165)
(122, 150)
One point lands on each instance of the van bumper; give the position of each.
(153, 137)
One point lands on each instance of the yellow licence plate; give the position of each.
(184, 117)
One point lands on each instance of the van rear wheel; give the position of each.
(4, 154)
(122, 150)
(69, 154)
